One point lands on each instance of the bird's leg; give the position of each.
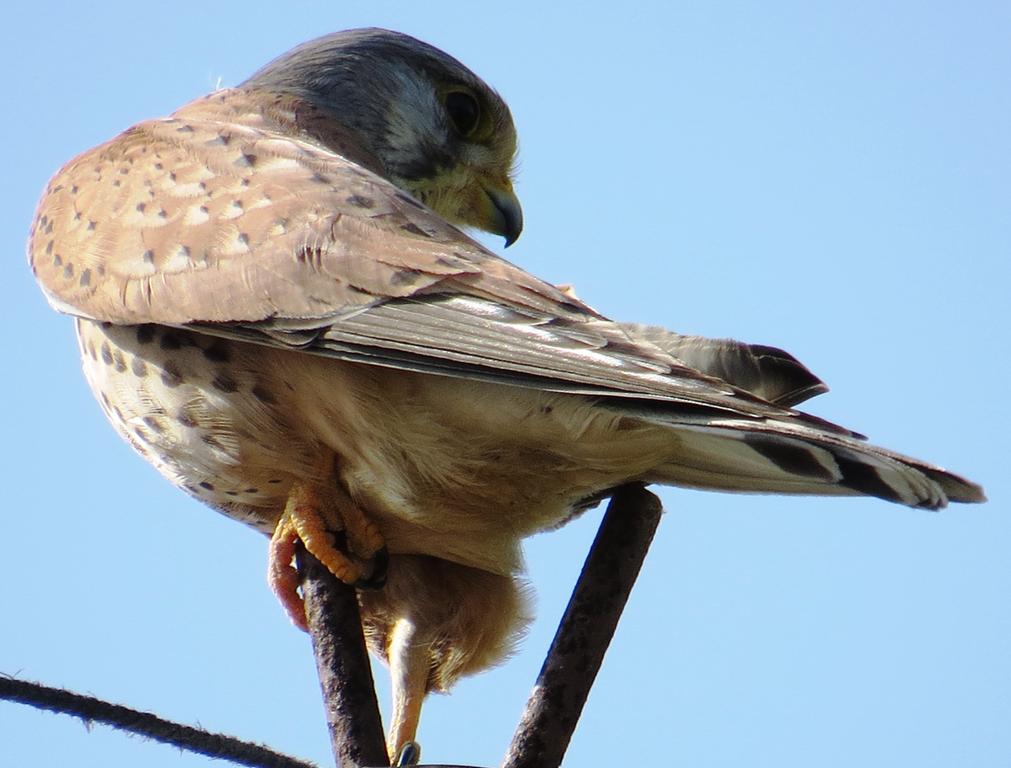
(409, 657)
(326, 520)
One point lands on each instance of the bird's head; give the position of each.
(430, 125)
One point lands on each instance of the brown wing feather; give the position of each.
(230, 217)
(770, 373)
(227, 217)
(214, 215)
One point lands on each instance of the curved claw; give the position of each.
(409, 754)
(380, 567)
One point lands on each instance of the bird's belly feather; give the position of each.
(446, 467)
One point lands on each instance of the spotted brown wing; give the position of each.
(217, 218)
(220, 218)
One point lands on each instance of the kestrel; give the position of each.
(276, 307)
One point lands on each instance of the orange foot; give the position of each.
(334, 529)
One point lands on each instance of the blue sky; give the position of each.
(834, 179)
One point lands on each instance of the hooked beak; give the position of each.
(503, 216)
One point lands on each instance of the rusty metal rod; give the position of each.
(586, 629)
(349, 694)
(217, 746)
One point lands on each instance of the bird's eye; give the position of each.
(464, 111)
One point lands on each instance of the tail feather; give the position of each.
(778, 457)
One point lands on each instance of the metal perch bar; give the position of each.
(217, 746)
(586, 629)
(349, 694)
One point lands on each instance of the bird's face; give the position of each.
(432, 126)
(450, 142)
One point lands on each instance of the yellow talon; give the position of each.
(315, 514)
(364, 539)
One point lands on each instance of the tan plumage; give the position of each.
(274, 274)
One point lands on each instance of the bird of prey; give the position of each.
(277, 307)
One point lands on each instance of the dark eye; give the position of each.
(463, 110)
